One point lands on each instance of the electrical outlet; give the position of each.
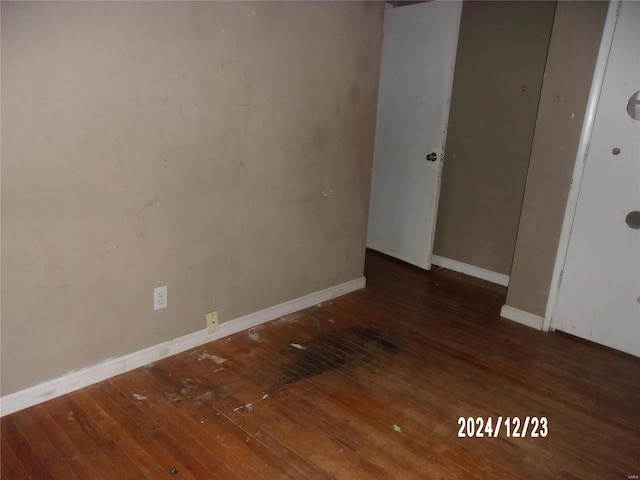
(212, 322)
(160, 297)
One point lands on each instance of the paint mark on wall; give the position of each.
(140, 217)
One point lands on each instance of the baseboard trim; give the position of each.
(471, 270)
(110, 368)
(520, 316)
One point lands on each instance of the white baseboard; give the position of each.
(471, 270)
(520, 316)
(88, 376)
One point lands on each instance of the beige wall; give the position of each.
(500, 62)
(573, 50)
(221, 149)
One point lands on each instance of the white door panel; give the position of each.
(418, 57)
(600, 291)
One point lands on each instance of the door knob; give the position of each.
(633, 219)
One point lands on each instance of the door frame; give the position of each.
(581, 158)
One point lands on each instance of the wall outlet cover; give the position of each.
(160, 297)
(212, 322)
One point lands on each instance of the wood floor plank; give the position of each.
(44, 448)
(174, 402)
(367, 386)
(32, 464)
(303, 405)
(206, 408)
(79, 463)
(113, 447)
(108, 416)
(350, 437)
(323, 450)
(190, 422)
(11, 466)
(73, 421)
(387, 416)
(165, 447)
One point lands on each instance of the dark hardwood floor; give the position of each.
(370, 385)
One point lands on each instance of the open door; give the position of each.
(416, 76)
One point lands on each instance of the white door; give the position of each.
(416, 74)
(600, 291)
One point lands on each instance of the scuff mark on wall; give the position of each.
(140, 217)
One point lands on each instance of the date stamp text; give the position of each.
(508, 427)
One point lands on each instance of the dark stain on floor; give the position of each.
(330, 351)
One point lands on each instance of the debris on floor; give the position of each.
(397, 428)
(215, 358)
(255, 336)
(248, 407)
(298, 346)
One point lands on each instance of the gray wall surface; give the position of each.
(222, 149)
(500, 63)
(575, 42)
